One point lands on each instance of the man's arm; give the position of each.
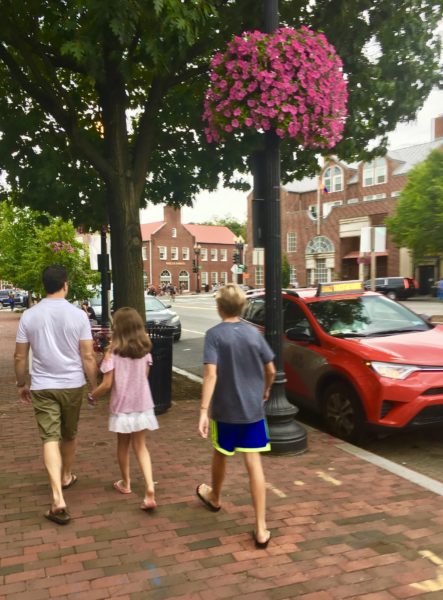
(209, 381)
(89, 363)
(21, 371)
(269, 379)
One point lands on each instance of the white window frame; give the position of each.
(223, 278)
(259, 276)
(204, 254)
(214, 255)
(375, 172)
(293, 275)
(333, 179)
(144, 252)
(352, 201)
(204, 277)
(223, 254)
(174, 253)
(174, 232)
(291, 241)
(214, 278)
(185, 253)
(163, 253)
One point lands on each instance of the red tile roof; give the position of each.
(148, 229)
(211, 234)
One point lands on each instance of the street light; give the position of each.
(239, 246)
(197, 250)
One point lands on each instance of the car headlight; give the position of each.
(392, 370)
(174, 320)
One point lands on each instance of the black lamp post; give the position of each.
(103, 265)
(197, 250)
(287, 436)
(239, 246)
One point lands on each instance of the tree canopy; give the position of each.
(31, 241)
(101, 101)
(238, 228)
(418, 220)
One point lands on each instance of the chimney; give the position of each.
(437, 128)
(172, 216)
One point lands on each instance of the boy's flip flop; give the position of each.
(60, 516)
(205, 501)
(71, 483)
(121, 488)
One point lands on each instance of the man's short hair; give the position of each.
(231, 300)
(54, 278)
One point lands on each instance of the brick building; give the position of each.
(187, 255)
(359, 195)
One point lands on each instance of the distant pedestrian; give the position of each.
(59, 335)
(440, 289)
(238, 374)
(11, 301)
(125, 369)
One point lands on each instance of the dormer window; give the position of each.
(333, 179)
(375, 172)
(174, 232)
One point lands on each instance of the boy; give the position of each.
(238, 374)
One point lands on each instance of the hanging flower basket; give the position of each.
(290, 80)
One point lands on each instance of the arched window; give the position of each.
(183, 281)
(320, 245)
(333, 179)
(375, 172)
(165, 277)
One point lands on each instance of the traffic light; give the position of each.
(236, 258)
(194, 265)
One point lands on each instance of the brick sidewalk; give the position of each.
(342, 527)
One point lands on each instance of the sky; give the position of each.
(226, 202)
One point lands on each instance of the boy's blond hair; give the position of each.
(231, 300)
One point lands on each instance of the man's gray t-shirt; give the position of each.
(239, 351)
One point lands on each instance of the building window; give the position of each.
(174, 253)
(395, 194)
(204, 276)
(204, 254)
(312, 211)
(144, 252)
(293, 276)
(223, 278)
(374, 197)
(214, 278)
(183, 281)
(375, 172)
(165, 277)
(352, 201)
(214, 254)
(291, 242)
(333, 179)
(319, 244)
(174, 232)
(320, 274)
(185, 253)
(162, 252)
(223, 255)
(259, 276)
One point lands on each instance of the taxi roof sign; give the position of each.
(340, 287)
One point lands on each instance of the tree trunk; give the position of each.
(126, 245)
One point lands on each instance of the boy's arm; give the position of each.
(269, 379)
(209, 381)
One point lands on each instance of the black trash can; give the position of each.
(160, 374)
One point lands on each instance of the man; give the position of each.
(89, 310)
(59, 335)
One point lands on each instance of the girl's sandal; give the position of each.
(148, 505)
(120, 488)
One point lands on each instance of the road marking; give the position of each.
(328, 478)
(192, 331)
(431, 585)
(275, 490)
(187, 374)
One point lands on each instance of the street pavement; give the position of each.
(345, 524)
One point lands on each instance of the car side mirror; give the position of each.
(298, 334)
(168, 305)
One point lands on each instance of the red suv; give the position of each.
(358, 358)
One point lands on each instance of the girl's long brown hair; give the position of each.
(129, 338)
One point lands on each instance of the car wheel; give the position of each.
(343, 412)
(392, 295)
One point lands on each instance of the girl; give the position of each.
(125, 369)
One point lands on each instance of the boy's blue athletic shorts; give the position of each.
(228, 438)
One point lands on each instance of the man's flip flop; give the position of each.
(120, 488)
(205, 501)
(60, 516)
(71, 483)
(261, 545)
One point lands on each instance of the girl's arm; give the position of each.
(104, 387)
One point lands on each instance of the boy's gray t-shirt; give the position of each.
(239, 351)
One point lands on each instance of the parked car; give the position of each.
(158, 313)
(396, 288)
(358, 359)
(20, 298)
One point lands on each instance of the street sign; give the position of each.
(234, 269)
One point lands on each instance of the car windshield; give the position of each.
(365, 316)
(96, 301)
(152, 303)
